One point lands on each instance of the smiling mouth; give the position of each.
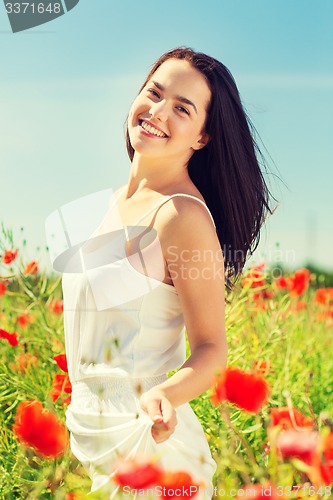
(151, 129)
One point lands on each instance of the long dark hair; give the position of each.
(227, 170)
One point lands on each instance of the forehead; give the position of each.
(180, 78)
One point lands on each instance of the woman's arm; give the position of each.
(195, 262)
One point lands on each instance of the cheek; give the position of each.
(131, 111)
(137, 105)
(134, 108)
(189, 132)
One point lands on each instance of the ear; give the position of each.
(201, 142)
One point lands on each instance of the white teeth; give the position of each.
(151, 129)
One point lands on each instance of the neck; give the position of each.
(156, 174)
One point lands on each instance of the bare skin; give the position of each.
(165, 131)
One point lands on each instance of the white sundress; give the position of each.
(124, 331)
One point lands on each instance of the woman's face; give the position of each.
(168, 116)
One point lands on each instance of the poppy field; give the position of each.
(268, 417)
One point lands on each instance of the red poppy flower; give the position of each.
(298, 444)
(61, 384)
(9, 256)
(324, 315)
(300, 305)
(71, 495)
(31, 268)
(137, 474)
(24, 361)
(283, 282)
(263, 367)
(300, 282)
(3, 288)
(262, 295)
(260, 298)
(326, 472)
(324, 296)
(24, 319)
(61, 361)
(260, 306)
(12, 338)
(57, 306)
(248, 390)
(178, 485)
(326, 468)
(288, 420)
(328, 446)
(257, 491)
(40, 429)
(66, 401)
(253, 279)
(296, 284)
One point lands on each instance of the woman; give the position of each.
(154, 264)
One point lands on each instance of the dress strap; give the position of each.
(174, 196)
(121, 190)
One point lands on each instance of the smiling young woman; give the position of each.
(195, 189)
(171, 111)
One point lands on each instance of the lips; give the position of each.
(152, 129)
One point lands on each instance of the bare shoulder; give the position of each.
(195, 264)
(186, 218)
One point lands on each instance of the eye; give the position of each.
(153, 92)
(183, 110)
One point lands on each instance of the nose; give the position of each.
(159, 110)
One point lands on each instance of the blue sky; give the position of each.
(66, 87)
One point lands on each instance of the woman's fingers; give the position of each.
(161, 432)
(153, 409)
(162, 414)
(169, 413)
(163, 429)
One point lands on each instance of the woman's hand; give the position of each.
(162, 413)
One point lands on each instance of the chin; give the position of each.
(141, 147)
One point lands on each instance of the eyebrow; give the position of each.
(178, 97)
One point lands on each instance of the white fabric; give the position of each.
(116, 349)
